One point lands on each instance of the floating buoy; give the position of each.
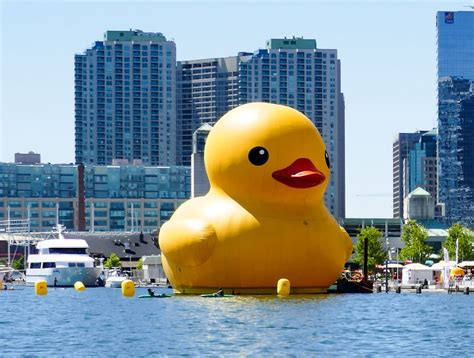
(41, 288)
(79, 286)
(128, 288)
(283, 287)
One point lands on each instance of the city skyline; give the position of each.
(372, 117)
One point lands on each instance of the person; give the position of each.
(425, 283)
(55, 282)
(219, 293)
(151, 292)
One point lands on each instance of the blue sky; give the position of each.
(387, 51)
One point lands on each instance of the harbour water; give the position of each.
(100, 322)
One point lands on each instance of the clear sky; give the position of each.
(387, 51)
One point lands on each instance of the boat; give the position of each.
(11, 275)
(61, 262)
(156, 295)
(114, 278)
(344, 285)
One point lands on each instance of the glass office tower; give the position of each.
(456, 115)
(125, 100)
(421, 167)
(403, 143)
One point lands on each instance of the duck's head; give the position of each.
(262, 154)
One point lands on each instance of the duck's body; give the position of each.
(251, 230)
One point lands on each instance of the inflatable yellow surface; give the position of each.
(264, 217)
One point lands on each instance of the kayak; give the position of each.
(213, 295)
(159, 295)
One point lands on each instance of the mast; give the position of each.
(8, 230)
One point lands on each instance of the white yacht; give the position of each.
(62, 262)
(114, 278)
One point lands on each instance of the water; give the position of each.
(100, 322)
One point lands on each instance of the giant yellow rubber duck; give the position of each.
(264, 216)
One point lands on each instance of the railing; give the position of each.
(15, 226)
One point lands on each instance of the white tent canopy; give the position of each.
(439, 266)
(395, 266)
(466, 264)
(416, 273)
(416, 267)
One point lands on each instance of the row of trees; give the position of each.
(414, 236)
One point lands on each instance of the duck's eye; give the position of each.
(328, 163)
(258, 155)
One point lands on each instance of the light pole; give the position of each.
(386, 265)
(398, 273)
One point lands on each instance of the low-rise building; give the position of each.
(108, 198)
(153, 269)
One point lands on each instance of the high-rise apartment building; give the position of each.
(456, 115)
(206, 90)
(402, 144)
(293, 72)
(125, 99)
(135, 102)
(296, 73)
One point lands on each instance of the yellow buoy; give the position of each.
(128, 288)
(79, 286)
(1, 285)
(283, 287)
(41, 288)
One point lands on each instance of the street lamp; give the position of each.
(130, 263)
(386, 264)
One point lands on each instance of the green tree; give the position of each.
(465, 240)
(140, 263)
(112, 261)
(414, 236)
(376, 254)
(19, 263)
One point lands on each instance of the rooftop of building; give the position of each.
(456, 12)
(291, 43)
(371, 221)
(126, 245)
(208, 61)
(134, 35)
(419, 192)
(205, 127)
(114, 165)
(433, 132)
